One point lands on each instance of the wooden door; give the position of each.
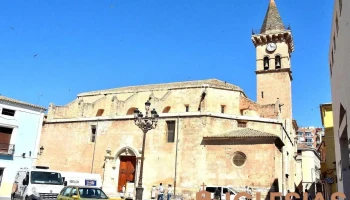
(5, 138)
(127, 170)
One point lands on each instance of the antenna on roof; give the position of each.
(39, 98)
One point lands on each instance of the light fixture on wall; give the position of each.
(140, 150)
(41, 150)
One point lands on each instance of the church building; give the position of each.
(208, 131)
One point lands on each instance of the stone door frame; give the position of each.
(127, 151)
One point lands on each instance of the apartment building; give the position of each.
(339, 62)
(328, 170)
(309, 164)
(20, 128)
(310, 136)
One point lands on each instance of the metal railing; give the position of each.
(7, 149)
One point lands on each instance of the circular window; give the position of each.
(239, 159)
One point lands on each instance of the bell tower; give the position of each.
(274, 46)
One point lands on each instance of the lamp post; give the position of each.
(145, 123)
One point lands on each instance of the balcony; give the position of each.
(7, 149)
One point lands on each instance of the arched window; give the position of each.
(99, 112)
(131, 111)
(266, 63)
(278, 62)
(166, 109)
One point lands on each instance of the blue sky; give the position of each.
(91, 45)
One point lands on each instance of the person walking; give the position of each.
(309, 195)
(161, 192)
(170, 192)
(217, 194)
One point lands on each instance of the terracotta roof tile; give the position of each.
(244, 133)
(273, 21)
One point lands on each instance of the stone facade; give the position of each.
(198, 159)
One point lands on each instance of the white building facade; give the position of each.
(310, 167)
(20, 128)
(339, 63)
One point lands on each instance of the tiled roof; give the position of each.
(244, 133)
(173, 85)
(273, 21)
(10, 100)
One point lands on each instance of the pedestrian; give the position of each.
(298, 192)
(161, 192)
(308, 194)
(170, 192)
(217, 194)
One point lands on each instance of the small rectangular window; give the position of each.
(170, 131)
(334, 43)
(337, 24)
(242, 124)
(187, 108)
(8, 112)
(262, 94)
(93, 133)
(340, 6)
(223, 108)
(332, 57)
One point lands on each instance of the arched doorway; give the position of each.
(127, 165)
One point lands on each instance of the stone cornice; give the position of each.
(276, 71)
(282, 36)
(168, 115)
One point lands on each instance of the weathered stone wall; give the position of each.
(176, 99)
(265, 111)
(276, 85)
(68, 148)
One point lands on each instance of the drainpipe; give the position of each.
(37, 138)
(177, 142)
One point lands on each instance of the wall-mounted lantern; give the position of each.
(41, 150)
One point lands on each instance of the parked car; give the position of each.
(82, 193)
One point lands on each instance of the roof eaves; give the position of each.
(17, 102)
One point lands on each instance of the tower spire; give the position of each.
(273, 21)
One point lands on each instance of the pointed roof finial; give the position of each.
(273, 21)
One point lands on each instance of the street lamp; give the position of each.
(145, 123)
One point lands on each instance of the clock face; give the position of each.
(271, 47)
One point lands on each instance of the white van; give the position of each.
(223, 191)
(81, 179)
(38, 182)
